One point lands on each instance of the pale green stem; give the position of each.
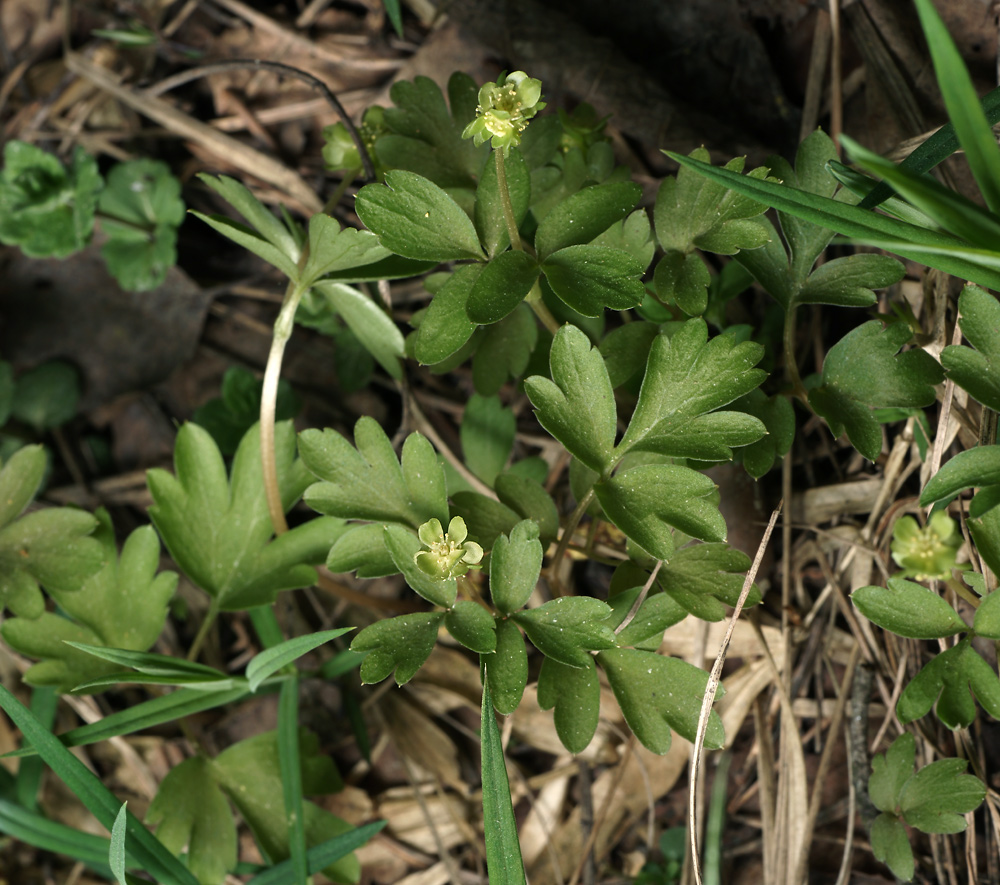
(268, 404)
(534, 298)
(791, 367)
(338, 194)
(571, 524)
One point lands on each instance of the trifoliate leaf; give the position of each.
(577, 406)
(332, 248)
(937, 798)
(123, 606)
(50, 547)
(473, 626)
(576, 695)
(507, 668)
(947, 679)
(650, 501)
(401, 644)
(864, 371)
(515, 564)
(191, 811)
(848, 282)
(250, 774)
(633, 235)
(415, 218)
(891, 771)
(891, 845)
(567, 628)
(688, 376)
(504, 350)
(217, 531)
(141, 209)
(46, 208)
(657, 693)
(908, 609)
(368, 482)
(978, 370)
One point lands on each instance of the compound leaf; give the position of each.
(123, 606)
(937, 798)
(446, 326)
(891, 845)
(217, 530)
(472, 625)
(584, 216)
(890, 772)
(501, 287)
(701, 577)
(947, 678)
(589, 278)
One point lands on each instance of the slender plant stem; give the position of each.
(206, 625)
(341, 189)
(534, 297)
(791, 366)
(571, 524)
(268, 404)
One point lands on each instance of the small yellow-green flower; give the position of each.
(505, 107)
(450, 555)
(927, 553)
(339, 151)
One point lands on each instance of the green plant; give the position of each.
(537, 242)
(49, 209)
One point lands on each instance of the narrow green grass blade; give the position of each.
(862, 185)
(148, 714)
(503, 852)
(964, 111)
(956, 214)
(266, 624)
(320, 856)
(116, 851)
(291, 777)
(29, 773)
(941, 145)
(395, 15)
(33, 829)
(918, 244)
(271, 660)
(146, 849)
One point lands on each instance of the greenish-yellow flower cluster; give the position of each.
(505, 107)
(928, 553)
(450, 555)
(339, 151)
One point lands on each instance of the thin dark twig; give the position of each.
(243, 64)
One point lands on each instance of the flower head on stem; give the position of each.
(505, 107)
(450, 555)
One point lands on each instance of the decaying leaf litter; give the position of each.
(595, 817)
